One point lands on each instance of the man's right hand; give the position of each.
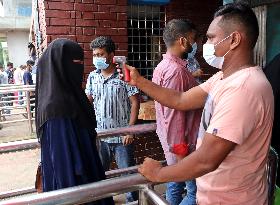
(134, 75)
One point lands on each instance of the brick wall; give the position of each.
(82, 21)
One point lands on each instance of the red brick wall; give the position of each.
(82, 21)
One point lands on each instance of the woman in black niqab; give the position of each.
(65, 120)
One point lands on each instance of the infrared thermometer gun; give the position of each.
(121, 61)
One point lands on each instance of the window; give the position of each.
(24, 10)
(145, 43)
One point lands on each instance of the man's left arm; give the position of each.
(135, 105)
(205, 159)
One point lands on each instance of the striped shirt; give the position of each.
(111, 101)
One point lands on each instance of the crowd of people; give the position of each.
(22, 75)
(215, 135)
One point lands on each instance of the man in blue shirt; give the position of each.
(116, 105)
(27, 77)
(27, 80)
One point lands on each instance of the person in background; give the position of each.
(230, 161)
(10, 72)
(272, 72)
(27, 76)
(4, 81)
(31, 51)
(18, 80)
(177, 130)
(22, 67)
(3, 76)
(65, 120)
(18, 77)
(192, 64)
(27, 80)
(116, 105)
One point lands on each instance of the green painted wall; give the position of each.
(272, 31)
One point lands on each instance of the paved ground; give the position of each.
(15, 131)
(18, 169)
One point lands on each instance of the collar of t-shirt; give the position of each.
(112, 76)
(177, 59)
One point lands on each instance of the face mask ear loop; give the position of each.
(227, 52)
(223, 40)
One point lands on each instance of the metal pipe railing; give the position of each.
(84, 193)
(109, 174)
(17, 192)
(33, 143)
(7, 103)
(148, 193)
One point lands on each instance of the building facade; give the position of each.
(136, 26)
(15, 20)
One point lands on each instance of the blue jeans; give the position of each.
(124, 156)
(175, 191)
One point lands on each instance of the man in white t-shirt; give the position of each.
(18, 77)
(235, 130)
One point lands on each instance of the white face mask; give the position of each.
(210, 57)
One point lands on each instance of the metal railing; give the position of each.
(33, 144)
(94, 191)
(23, 101)
(115, 186)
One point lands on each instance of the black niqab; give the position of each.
(59, 91)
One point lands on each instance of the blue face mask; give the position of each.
(194, 49)
(100, 63)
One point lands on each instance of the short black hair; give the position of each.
(30, 62)
(22, 66)
(242, 14)
(175, 29)
(10, 64)
(103, 42)
(30, 45)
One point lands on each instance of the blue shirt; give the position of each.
(192, 66)
(111, 101)
(27, 78)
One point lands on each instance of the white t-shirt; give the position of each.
(18, 77)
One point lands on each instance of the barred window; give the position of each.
(145, 42)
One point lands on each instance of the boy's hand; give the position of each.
(197, 73)
(128, 139)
